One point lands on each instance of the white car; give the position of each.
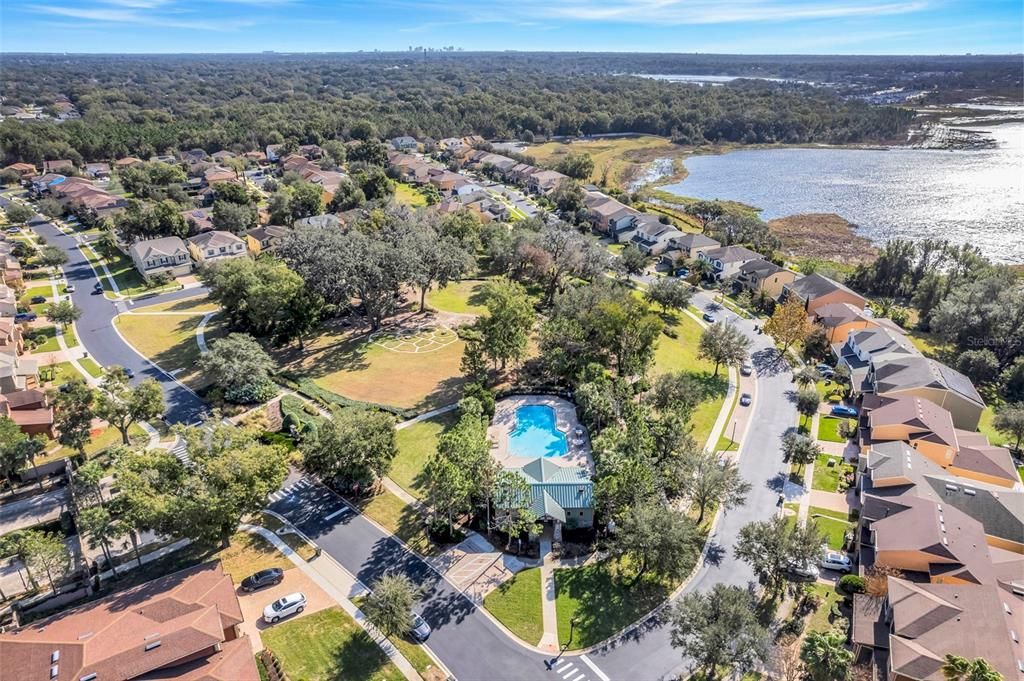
(835, 560)
(808, 571)
(292, 604)
(746, 369)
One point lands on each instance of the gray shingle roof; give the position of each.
(815, 285)
(912, 372)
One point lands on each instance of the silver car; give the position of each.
(420, 630)
(292, 604)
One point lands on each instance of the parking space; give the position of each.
(253, 603)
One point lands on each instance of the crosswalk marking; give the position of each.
(569, 671)
(561, 663)
(579, 677)
(340, 511)
(286, 491)
(600, 674)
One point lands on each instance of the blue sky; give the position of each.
(722, 26)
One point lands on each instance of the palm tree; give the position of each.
(958, 668)
(826, 656)
(807, 376)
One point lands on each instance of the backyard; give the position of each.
(517, 605)
(328, 646)
(409, 196)
(403, 367)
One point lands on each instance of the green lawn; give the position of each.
(328, 646)
(50, 344)
(832, 523)
(517, 605)
(59, 374)
(410, 196)
(827, 472)
(603, 599)
(170, 341)
(828, 428)
(464, 297)
(416, 444)
(412, 651)
(828, 595)
(985, 426)
(90, 365)
(829, 392)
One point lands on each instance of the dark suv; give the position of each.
(268, 577)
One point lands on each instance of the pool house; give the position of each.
(562, 495)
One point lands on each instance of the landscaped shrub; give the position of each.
(851, 584)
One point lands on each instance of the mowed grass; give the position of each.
(620, 156)
(409, 196)
(833, 524)
(828, 429)
(603, 599)
(988, 430)
(416, 444)
(328, 646)
(360, 368)
(827, 472)
(170, 341)
(196, 304)
(517, 605)
(248, 553)
(462, 297)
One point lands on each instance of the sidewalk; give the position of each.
(340, 585)
(549, 641)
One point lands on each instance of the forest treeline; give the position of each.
(144, 105)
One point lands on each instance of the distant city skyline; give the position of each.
(710, 26)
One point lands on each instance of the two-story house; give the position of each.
(216, 245)
(726, 261)
(167, 255)
(762, 276)
(651, 235)
(264, 238)
(816, 290)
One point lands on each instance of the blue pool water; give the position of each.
(535, 433)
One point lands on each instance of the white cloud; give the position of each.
(134, 15)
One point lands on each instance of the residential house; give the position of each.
(216, 245)
(198, 219)
(221, 156)
(24, 170)
(726, 261)
(545, 181)
(611, 217)
(443, 179)
(57, 166)
(164, 256)
(403, 143)
(561, 495)
(651, 235)
(12, 272)
(692, 245)
(8, 301)
(17, 373)
(521, 172)
(451, 144)
(163, 158)
(264, 238)
(915, 376)
(128, 162)
(879, 342)
(841, 319)
(97, 170)
(11, 339)
(215, 174)
(465, 187)
(30, 410)
(907, 635)
(273, 151)
(817, 291)
(46, 182)
(762, 276)
(311, 151)
(327, 221)
(486, 208)
(181, 626)
(193, 156)
(255, 156)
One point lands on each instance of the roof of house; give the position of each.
(325, 220)
(202, 217)
(691, 240)
(906, 472)
(264, 232)
(233, 662)
(930, 621)
(131, 632)
(555, 488)
(835, 314)
(903, 373)
(21, 398)
(168, 245)
(816, 285)
(728, 254)
(933, 423)
(214, 239)
(650, 228)
(761, 268)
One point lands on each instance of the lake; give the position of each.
(972, 197)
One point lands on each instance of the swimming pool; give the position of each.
(535, 433)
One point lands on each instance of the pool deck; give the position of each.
(504, 421)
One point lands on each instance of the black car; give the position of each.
(97, 288)
(268, 577)
(38, 299)
(25, 317)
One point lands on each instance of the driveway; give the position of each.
(253, 603)
(32, 510)
(96, 326)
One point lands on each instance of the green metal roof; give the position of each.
(555, 488)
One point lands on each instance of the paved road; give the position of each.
(96, 328)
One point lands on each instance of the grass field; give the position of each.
(517, 605)
(985, 426)
(409, 196)
(170, 341)
(249, 553)
(463, 297)
(832, 523)
(828, 429)
(90, 365)
(416, 444)
(383, 369)
(603, 599)
(829, 595)
(825, 476)
(196, 304)
(619, 156)
(328, 646)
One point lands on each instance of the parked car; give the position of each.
(683, 272)
(835, 560)
(746, 369)
(129, 373)
(843, 410)
(38, 299)
(13, 230)
(808, 571)
(821, 368)
(268, 577)
(709, 318)
(745, 400)
(25, 317)
(97, 288)
(292, 604)
(420, 630)
(70, 288)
